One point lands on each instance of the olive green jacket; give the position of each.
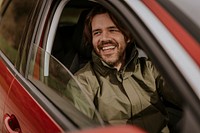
(128, 96)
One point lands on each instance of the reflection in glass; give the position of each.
(51, 77)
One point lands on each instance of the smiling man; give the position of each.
(123, 87)
(108, 41)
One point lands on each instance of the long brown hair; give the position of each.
(87, 33)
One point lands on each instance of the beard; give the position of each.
(110, 52)
(113, 59)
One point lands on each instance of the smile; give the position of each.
(108, 48)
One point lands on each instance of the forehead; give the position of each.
(102, 21)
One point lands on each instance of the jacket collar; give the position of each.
(104, 69)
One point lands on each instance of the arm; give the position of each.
(168, 94)
(81, 91)
(165, 92)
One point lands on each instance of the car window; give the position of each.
(52, 77)
(50, 62)
(63, 55)
(52, 67)
(12, 26)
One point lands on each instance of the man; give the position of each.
(123, 87)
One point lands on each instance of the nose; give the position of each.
(104, 36)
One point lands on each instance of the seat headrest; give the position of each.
(84, 50)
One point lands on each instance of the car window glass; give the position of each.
(12, 26)
(51, 77)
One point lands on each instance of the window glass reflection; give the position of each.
(52, 78)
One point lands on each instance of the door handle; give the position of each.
(11, 124)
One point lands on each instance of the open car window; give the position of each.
(63, 54)
(51, 78)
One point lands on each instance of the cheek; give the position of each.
(122, 41)
(119, 37)
(94, 42)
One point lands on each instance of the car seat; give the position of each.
(62, 48)
(68, 47)
(83, 51)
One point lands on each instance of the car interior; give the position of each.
(68, 47)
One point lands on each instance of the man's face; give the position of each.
(108, 41)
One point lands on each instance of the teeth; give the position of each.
(108, 47)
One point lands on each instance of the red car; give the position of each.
(40, 51)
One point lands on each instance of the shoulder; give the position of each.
(86, 77)
(86, 71)
(144, 63)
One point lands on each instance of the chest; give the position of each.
(125, 97)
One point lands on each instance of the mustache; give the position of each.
(102, 43)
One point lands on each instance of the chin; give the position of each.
(110, 62)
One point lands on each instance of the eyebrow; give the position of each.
(110, 27)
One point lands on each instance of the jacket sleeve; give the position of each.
(78, 92)
(165, 92)
(168, 94)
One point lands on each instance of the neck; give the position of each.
(118, 65)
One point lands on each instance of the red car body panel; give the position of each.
(187, 41)
(6, 79)
(19, 101)
(114, 129)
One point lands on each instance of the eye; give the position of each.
(96, 33)
(114, 30)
